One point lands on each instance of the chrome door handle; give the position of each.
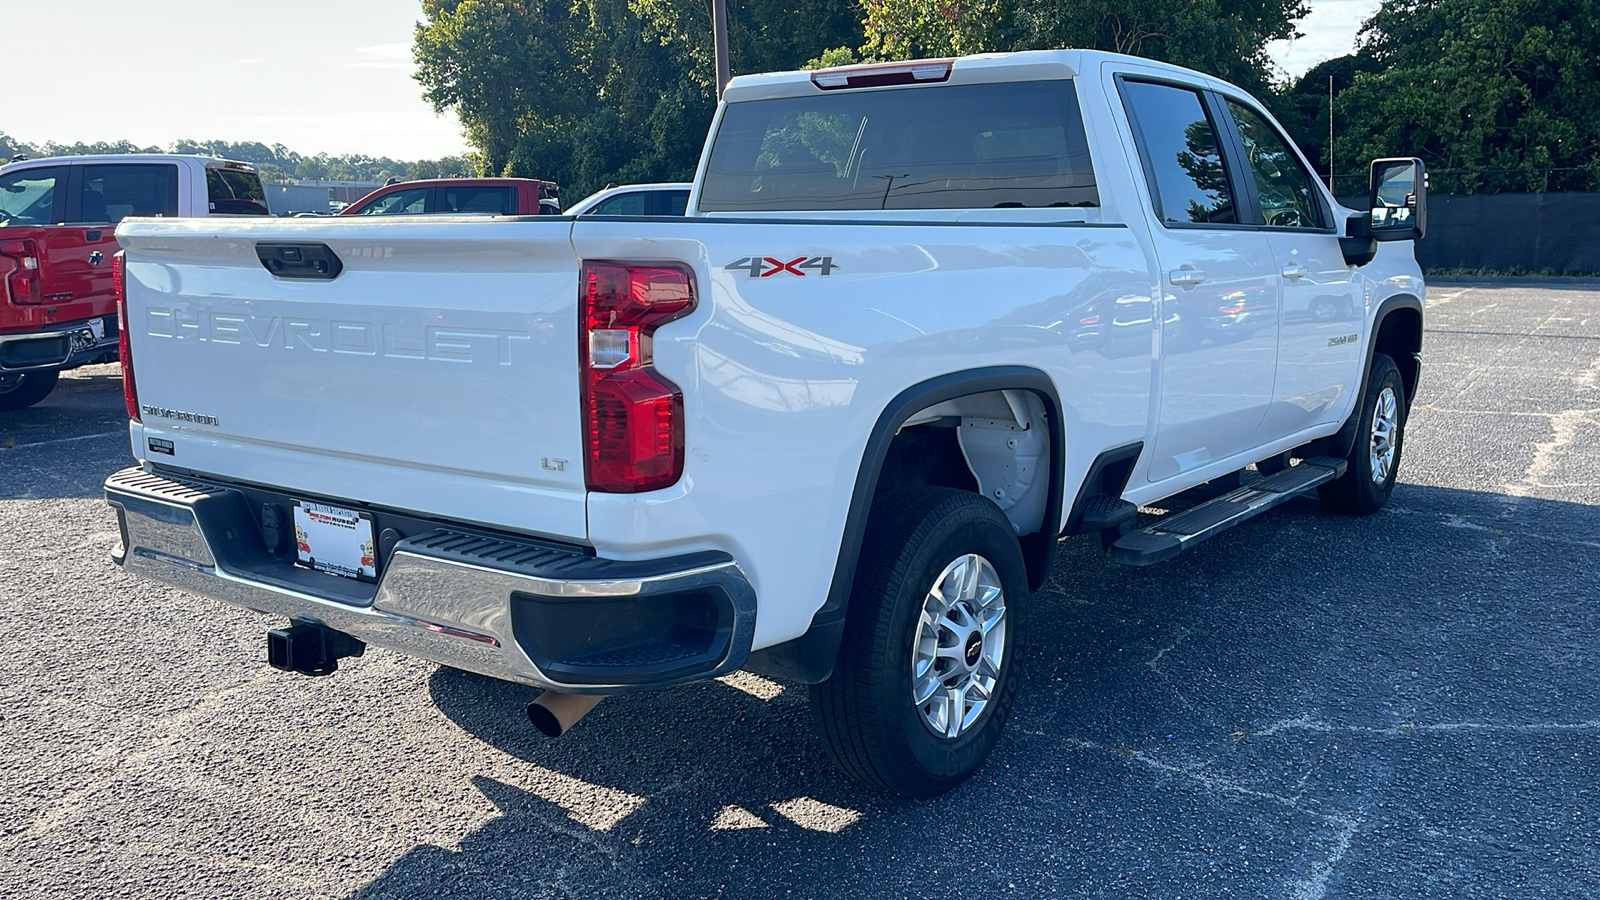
(1295, 270)
(1186, 277)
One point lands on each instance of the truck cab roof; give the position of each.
(214, 162)
(1025, 65)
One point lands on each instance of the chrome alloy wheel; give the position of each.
(959, 646)
(1385, 431)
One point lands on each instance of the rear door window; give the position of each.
(976, 146)
(409, 202)
(1182, 158)
(111, 193)
(499, 201)
(28, 196)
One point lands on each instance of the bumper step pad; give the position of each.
(1168, 537)
(508, 606)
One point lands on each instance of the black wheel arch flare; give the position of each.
(1406, 351)
(810, 657)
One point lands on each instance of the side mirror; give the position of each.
(1399, 199)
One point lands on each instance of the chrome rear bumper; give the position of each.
(64, 346)
(516, 610)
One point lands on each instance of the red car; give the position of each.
(58, 219)
(456, 196)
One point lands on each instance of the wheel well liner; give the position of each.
(810, 657)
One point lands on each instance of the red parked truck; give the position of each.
(461, 196)
(57, 218)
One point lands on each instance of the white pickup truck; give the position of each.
(921, 321)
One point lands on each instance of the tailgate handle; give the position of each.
(299, 260)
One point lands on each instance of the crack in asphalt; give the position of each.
(1305, 723)
(1344, 825)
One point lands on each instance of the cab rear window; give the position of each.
(974, 146)
(235, 192)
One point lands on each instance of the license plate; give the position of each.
(335, 540)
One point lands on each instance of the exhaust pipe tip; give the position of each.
(554, 713)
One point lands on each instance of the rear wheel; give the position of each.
(928, 667)
(1375, 456)
(24, 389)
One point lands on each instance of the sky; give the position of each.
(313, 75)
(1330, 31)
(328, 76)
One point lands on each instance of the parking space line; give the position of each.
(81, 437)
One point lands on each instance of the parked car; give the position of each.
(57, 221)
(665, 199)
(457, 196)
(828, 426)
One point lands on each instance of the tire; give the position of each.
(874, 729)
(26, 388)
(1380, 436)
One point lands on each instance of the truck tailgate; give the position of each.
(436, 374)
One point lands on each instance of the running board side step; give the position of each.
(1168, 537)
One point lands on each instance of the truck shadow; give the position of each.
(1166, 713)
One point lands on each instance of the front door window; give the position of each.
(1288, 193)
(28, 197)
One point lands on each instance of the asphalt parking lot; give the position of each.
(1308, 706)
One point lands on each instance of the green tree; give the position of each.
(275, 161)
(1302, 107)
(591, 92)
(10, 146)
(1479, 84)
(763, 35)
(917, 29)
(1222, 37)
(496, 61)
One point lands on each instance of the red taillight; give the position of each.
(119, 287)
(22, 281)
(633, 417)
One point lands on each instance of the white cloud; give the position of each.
(1330, 31)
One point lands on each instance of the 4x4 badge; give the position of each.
(767, 266)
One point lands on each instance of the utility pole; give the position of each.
(719, 33)
(1330, 130)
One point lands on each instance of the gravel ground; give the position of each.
(1307, 706)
